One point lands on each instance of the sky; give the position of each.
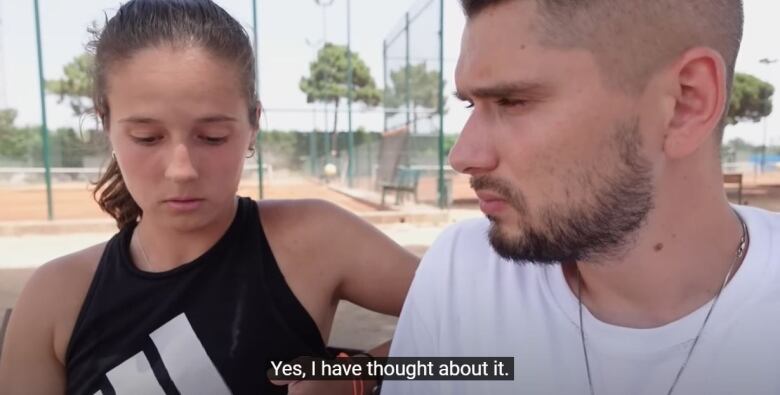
(289, 32)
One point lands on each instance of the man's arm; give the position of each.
(418, 331)
(412, 339)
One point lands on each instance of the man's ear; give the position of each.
(699, 86)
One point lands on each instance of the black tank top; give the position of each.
(211, 326)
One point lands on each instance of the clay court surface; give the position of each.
(74, 200)
(354, 327)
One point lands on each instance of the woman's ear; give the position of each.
(258, 113)
(101, 120)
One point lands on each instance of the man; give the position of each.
(610, 261)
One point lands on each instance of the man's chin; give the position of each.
(515, 246)
(504, 241)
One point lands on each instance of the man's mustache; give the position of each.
(499, 187)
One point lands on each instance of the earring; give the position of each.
(251, 152)
(113, 155)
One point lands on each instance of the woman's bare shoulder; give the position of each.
(68, 274)
(333, 246)
(42, 320)
(316, 214)
(55, 292)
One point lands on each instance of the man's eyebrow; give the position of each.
(506, 89)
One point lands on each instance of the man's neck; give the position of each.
(677, 263)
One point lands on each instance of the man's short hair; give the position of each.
(631, 39)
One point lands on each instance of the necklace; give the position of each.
(738, 257)
(143, 251)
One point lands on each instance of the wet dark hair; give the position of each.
(141, 24)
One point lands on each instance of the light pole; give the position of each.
(3, 97)
(767, 62)
(444, 194)
(44, 126)
(313, 151)
(325, 4)
(350, 88)
(259, 139)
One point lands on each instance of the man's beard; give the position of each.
(616, 204)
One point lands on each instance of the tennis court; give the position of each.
(74, 200)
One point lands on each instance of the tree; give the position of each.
(17, 145)
(423, 91)
(751, 99)
(7, 118)
(327, 80)
(423, 84)
(739, 144)
(76, 87)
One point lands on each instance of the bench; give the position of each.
(404, 182)
(4, 317)
(734, 178)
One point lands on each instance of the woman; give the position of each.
(200, 290)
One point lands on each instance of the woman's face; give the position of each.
(180, 129)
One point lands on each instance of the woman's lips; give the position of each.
(184, 204)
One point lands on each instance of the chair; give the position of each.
(734, 178)
(404, 182)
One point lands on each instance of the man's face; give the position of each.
(555, 156)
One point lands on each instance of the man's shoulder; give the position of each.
(763, 252)
(473, 231)
(762, 221)
(459, 241)
(462, 256)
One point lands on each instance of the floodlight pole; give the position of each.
(768, 62)
(44, 126)
(443, 198)
(350, 90)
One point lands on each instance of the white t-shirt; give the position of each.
(467, 301)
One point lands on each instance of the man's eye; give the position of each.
(469, 104)
(504, 102)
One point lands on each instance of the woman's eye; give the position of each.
(469, 104)
(213, 140)
(146, 140)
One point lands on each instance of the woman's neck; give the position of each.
(158, 247)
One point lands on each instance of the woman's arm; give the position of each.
(337, 256)
(29, 364)
(33, 355)
(374, 271)
(328, 254)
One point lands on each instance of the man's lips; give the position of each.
(491, 203)
(489, 196)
